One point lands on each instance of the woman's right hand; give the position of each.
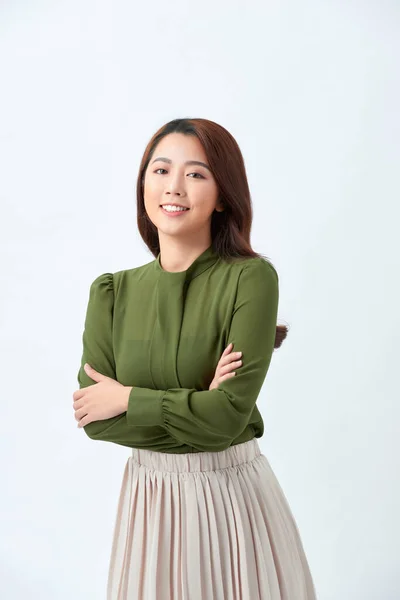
(228, 361)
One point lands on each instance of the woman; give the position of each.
(177, 351)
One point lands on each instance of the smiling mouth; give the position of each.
(176, 205)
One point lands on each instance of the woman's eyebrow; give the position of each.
(188, 162)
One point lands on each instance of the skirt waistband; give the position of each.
(197, 461)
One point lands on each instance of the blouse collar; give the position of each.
(205, 260)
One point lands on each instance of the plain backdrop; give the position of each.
(310, 90)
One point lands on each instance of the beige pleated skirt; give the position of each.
(205, 526)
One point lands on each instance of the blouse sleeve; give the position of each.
(208, 420)
(98, 351)
(97, 333)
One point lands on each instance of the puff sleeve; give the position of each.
(97, 340)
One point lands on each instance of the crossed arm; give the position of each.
(207, 420)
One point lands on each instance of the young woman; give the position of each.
(175, 353)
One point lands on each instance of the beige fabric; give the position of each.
(205, 526)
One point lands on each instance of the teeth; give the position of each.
(173, 208)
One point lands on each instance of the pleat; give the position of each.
(216, 543)
(227, 534)
(255, 538)
(205, 526)
(287, 548)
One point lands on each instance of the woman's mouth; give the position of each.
(174, 212)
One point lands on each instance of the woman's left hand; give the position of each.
(103, 400)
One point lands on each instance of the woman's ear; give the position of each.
(220, 205)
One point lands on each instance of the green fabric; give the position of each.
(163, 333)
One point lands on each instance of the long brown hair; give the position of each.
(230, 228)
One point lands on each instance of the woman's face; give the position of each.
(169, 179)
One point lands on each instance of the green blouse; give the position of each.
(164, 332)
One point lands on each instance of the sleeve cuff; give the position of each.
(145, 407)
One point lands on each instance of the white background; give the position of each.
(310, 90)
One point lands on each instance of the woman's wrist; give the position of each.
(127, 390)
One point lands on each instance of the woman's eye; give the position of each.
(199, 175)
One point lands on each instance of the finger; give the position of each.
(90, 370)
(80, 413)
(229, 359)
(77, 395)
(225, 355)
(227, 376)
(95, 375)
(227, 349)
(84, 421)
(230, 366)
(225, 360)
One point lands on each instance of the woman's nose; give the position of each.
(175, 186)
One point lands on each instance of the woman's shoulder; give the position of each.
(258, 266)
(102, 283)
